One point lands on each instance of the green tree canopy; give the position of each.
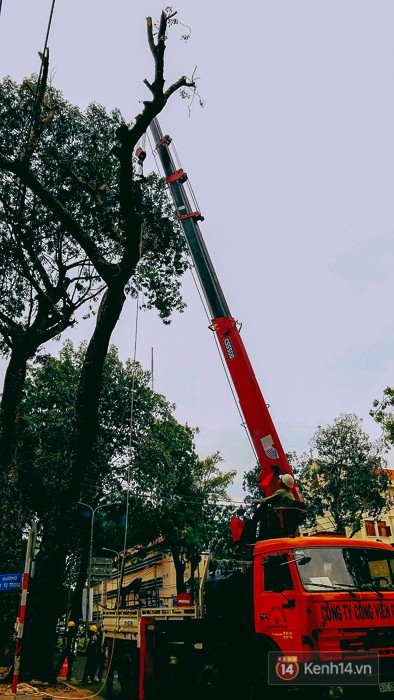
(150, 461)
(180, 490)
(344, 477)
(78, 225)
(74, 163)
(383, 413)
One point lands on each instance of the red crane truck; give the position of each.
(309, 614)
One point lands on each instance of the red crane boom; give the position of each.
(270, 453)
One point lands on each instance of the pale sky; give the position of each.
(292, 162)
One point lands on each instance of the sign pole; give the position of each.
(22, 610)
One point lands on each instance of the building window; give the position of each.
(384, 529)
(370, 528)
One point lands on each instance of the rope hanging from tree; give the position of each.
(131, 425)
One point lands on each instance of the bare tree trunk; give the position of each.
(180, 567)
(11, 398)
(11, 519)
(47, 595)
(90, 384)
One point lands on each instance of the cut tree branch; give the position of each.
(151, 41)
(181, 82)
(38, 124)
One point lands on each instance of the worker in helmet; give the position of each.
(92, 656)
(101, 655)
(68, 650)
(283, 495)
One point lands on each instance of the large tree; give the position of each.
(184, 490)
(47, 433)
(344, 477)
(77, 223)
(171, 491)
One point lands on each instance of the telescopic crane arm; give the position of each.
(269, 450)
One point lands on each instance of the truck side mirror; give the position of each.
(300, 558)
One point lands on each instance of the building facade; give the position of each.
(148, 580)
(381, 528)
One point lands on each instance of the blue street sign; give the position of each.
(9, 582)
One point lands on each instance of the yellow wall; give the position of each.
(158, 587)
(387, 517)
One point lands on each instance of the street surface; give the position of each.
(78, 668)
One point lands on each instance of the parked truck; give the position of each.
(319, 599)
(311, 612)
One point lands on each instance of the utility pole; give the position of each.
(106, 549)
(93, 510)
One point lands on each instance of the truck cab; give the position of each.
(326, 596)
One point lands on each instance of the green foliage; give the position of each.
(383, 413)
(35, 251)
(184, 490)
(74, 162)
(344, 477)
(249, 483)
(173, 492)
(78, 223)
(47, 427)
(48, 423)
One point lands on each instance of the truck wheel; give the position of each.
(128, 675)
(210, 684)
(260, 690)
(258, 686)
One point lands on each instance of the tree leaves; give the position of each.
(344, 477)
(173, 492)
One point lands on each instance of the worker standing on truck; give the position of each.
(68, 651)
(282, 497)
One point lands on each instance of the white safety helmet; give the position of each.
(287, 480)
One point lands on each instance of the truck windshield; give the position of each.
(347, 568)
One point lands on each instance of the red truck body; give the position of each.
(315, 619)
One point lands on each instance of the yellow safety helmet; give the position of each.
(93, 628)
(287, 480)
(71, 624)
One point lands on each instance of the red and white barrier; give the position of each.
(20, 621)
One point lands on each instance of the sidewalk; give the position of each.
(88, 688)
(36, 690)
